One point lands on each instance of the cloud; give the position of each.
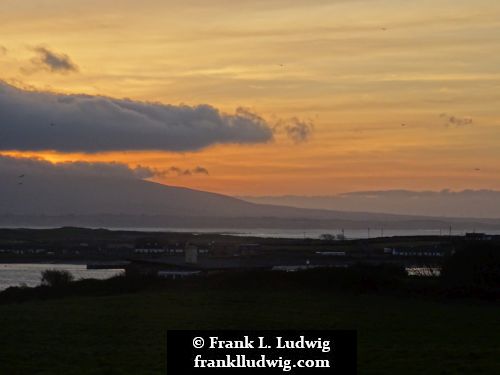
(186, 172)
(19, 166)
(179, 171)
(456, 121)
(52, 61)
(297, 130)
(200, 170)
(467, 194)
(34, 121)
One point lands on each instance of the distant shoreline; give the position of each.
(276, 233)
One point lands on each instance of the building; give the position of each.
(418, 253)
(249, 249)
(332, 253)
(477, 237)
(191, 254)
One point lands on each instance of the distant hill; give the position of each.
(445, 203)
(47, 200)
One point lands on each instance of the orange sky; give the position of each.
(358, 70)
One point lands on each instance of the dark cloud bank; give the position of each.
(35, 121)
(20, 166)
(25, 167)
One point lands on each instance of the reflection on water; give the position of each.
(29, 274)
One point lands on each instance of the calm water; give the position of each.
(298, 233)
(313, 233)
(16, 274)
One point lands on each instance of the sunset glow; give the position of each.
(397, 95)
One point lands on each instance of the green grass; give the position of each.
(125, 334)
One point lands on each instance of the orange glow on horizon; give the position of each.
(373, 80)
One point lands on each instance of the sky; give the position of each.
(258, 97)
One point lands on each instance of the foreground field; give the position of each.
(125, 334)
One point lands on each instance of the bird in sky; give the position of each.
(21, 176)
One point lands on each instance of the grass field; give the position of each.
(125, 334)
